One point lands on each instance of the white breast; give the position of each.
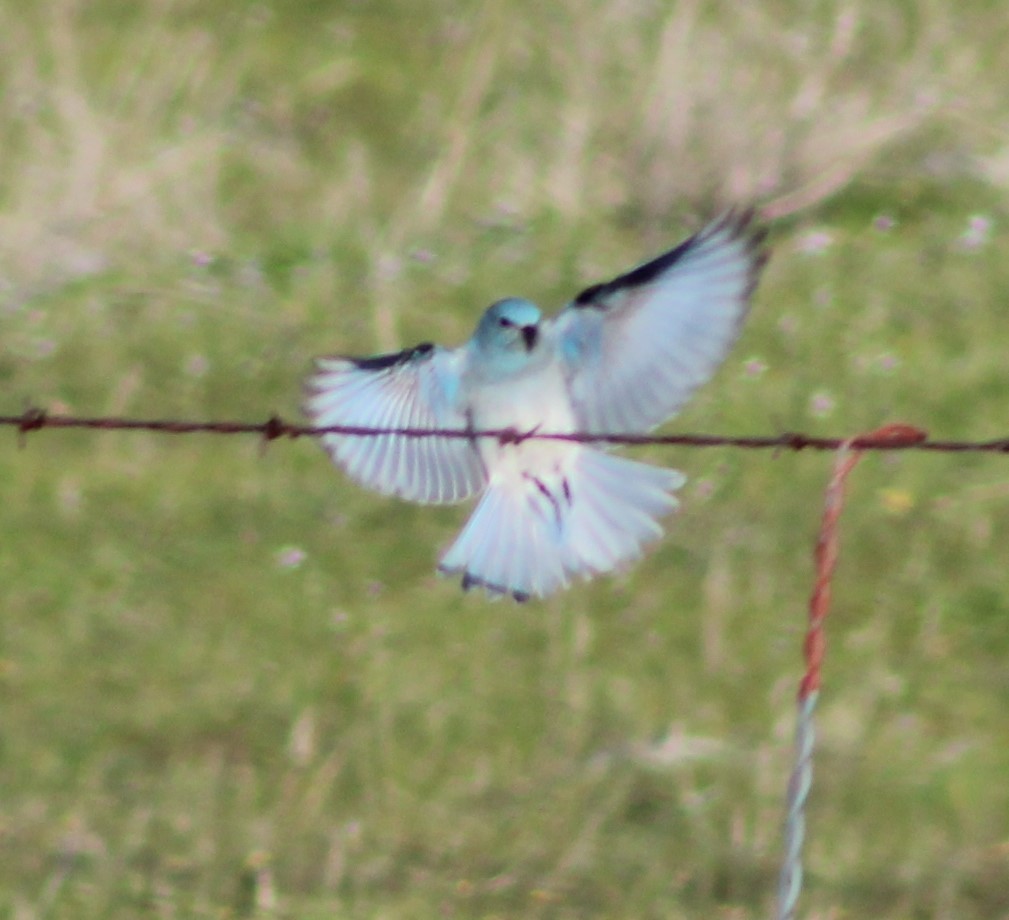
(533, 401)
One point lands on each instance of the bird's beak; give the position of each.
(529, 335)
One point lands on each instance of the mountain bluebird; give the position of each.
(622, 357)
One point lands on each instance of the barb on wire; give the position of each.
(892, 437)
(814, 648)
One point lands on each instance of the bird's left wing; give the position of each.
(635, 348)
(418, 388)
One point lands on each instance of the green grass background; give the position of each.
(231, 684)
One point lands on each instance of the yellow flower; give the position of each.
(896, 501)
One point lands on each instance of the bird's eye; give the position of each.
(504, 321)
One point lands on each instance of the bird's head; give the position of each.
(510, 326)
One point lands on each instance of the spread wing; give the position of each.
(417, 388)
(635, 348)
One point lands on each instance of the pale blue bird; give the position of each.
(622, 358)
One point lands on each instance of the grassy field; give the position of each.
(231, 683)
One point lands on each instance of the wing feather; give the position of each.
(417, 388)
(635, 348)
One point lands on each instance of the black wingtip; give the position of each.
(745, 224)
(394, 359)
(739, 222)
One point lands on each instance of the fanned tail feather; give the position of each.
(615, 508)
(530, 534)
(505, 548)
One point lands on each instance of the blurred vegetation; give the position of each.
(232, 685)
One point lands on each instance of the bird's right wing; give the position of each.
(636, 347)
(418, 388)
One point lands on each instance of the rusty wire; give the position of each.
(814, 647)
(892, 437)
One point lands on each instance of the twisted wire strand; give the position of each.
(896, 436)
(814, 647)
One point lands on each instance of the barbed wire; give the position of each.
(892, 437)
(897, 436)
